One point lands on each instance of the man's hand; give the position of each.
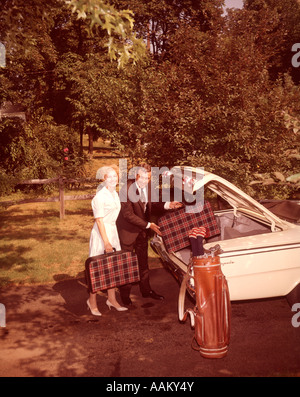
(175, 204)
(155, 228)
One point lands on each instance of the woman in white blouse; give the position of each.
(104, 236)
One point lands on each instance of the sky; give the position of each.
(234, 3)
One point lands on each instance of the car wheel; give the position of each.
(294, 296)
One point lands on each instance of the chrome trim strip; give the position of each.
(259, 250)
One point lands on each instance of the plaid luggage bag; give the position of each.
(111, 270)
(175, 226)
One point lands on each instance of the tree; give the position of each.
(36, 150)
(213, 103)
(32, 150)
(30, 54)
(89, 85)
(156, 21)
(101, 119)
(287, 19)
(123, 44)
(208, 96)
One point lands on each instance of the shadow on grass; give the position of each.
(46, 237)
(35, 243)
(85, 212)
(20, 215)
(13, 256)
(17, 215)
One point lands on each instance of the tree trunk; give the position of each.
(91, 142)
(81, 135)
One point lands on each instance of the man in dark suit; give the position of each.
(134, 223)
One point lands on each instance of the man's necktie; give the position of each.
(143, 199)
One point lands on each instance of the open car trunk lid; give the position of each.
(238, 200)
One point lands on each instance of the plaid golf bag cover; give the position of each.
(111, 270)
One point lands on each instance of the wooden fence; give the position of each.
(61, 181)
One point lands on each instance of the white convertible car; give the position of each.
(260, 251)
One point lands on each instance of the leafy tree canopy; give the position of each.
(122, 42)
(213, 91)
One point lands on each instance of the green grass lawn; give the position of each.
(37, 247)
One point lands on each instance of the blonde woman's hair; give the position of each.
(103, 171)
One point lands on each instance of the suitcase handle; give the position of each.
(114, 250)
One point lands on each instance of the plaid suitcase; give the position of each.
(111, 270)
(176, 225)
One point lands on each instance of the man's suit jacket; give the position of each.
(132, 218)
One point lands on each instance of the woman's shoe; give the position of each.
(95, 312)
(119, 309)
